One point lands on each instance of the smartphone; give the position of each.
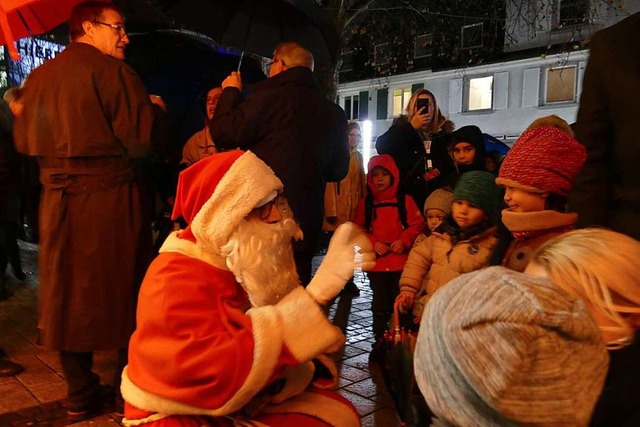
(422, 102)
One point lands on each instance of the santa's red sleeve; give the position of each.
(197, 351)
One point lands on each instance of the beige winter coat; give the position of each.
(434, 261)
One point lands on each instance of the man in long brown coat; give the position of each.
(86, 116)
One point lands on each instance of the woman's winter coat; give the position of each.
(407, 147)
(341, 198)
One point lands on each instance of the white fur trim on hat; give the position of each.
(247, 184)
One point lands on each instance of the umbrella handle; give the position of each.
(396, 318)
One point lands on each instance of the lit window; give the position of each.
(400, 100)
(480, 93)
(561, 84)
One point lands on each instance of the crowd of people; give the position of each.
(523, 319)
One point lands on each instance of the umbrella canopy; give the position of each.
(494, 144)
(24, 18)
(181, 68)
(257, 26)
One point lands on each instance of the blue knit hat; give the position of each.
(479, 188)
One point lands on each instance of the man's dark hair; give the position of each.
(87, 11)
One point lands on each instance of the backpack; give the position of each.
(369, 209)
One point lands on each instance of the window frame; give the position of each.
(404, 90)
(354, 106)
(467, 93)
(466, 27)
(429, 53)
(575, 85)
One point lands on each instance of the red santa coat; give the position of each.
(198, 351)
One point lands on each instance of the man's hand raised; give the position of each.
(233, 80)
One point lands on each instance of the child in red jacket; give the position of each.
(392, 225)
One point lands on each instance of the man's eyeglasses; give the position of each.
(122, 31)
(274, 61)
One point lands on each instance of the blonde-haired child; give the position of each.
(602, 268)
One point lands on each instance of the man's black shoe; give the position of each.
(105, 396)
(9, 368)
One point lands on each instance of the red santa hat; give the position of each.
(216, 193)
(545, 159)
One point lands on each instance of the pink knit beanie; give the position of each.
(545, 159)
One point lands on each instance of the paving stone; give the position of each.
(385, 417)
(14, 396)
(363, 405)
(101, 421)
(361, 362)
(36, 372)
(353, 374)
(365, 388)
(49, 392)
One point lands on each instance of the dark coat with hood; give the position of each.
(606, 192)
(407, 147)
(294, 129)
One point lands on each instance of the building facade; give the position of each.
(502, 98)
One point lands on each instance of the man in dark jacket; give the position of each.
(289, 124)
(86, 115)
(607, 190)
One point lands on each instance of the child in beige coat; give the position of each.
(463, 243)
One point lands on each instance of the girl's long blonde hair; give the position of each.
(603, 268)
(438, 118)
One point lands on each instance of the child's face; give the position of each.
(381, 178)
(464, 153)
(434, 218)
(466, 214)
(519, 200)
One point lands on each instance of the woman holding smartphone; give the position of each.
(409, 142)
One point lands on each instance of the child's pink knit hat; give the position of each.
(545, 159)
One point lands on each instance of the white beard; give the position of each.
(260, 255)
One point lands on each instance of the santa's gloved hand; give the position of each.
(349, 250)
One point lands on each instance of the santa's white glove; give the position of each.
(349, 250)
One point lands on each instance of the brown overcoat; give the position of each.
(86, 116)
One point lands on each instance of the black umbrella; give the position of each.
(181, 68)
(257, 26)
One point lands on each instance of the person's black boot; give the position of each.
(350, 289)
(7, 367)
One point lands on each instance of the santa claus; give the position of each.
(226, 336)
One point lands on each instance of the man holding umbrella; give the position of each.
(86, 115)
(289, 124)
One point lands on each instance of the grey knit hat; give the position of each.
(501, 348)
(440, 199)
(479, 188)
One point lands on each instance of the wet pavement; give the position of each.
(34, 397)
